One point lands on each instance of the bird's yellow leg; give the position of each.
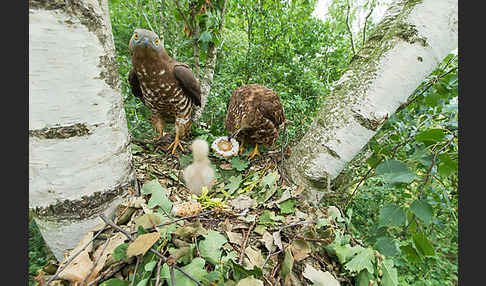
(242, 147)
(177, 142)
(254, 153)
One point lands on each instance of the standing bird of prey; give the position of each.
(168, 88)
(254, 115)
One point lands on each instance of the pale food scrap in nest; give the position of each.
(225, 147)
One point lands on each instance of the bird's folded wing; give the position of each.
(188, 82)
(135, 84)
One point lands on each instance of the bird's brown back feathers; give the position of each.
(258, 110)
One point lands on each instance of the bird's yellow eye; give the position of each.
(156, 41)
(135, 36)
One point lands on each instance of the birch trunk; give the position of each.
(406, 46)
(79, 156)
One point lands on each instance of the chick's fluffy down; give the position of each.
(199, 173)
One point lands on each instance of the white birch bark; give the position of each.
(79, 156)
(410, 41)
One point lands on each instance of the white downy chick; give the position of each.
(199, 173)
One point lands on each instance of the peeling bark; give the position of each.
(80, 163)
(406, 46)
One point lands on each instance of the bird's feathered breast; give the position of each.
(164, 83)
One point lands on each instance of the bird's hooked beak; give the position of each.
(234, 134)
(144, 41)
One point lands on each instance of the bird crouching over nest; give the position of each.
(254, 115)
(199, 174)
(168, 88)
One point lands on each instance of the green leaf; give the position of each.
(269, 218)
(143, 282)
(115, 282)
(446, 165)
(423, 210)
(269, 180)
(195, 269)
(411, 253)
(239, 164)
(234, 183)
(150, 266)
(322, 222)
(250, 281)
(240, 272)
(363, 260)
(288, 263)
(390, 277)
(430, 136)
(205, 37)
(395, 172)
(423, 245)
(135, 148)
(345, 252)
(287, 207)
(210, 247)
(386, 246)
(364, 277)
(392, 215)
(120, 253)
(158, 195)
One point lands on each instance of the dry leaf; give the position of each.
(242, 202)
(255, 257)
(234, 237)
(142, 244)
(300, 249)
(268, 241)
(318, 277)
(277, 239)
(147, 220)
(79, 268)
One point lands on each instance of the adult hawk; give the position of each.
(168, 88)
(254, 115)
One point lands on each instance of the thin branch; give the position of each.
(96, 262)
(179, 219)
(370, 170)
(109, 272)
(366, 21)
(164, 259)
(429, 85)
(349, 29)
(429, 171)
(179, 9)
(135, 272)
(270, 255)
(158, 272)
(60, 269)
(172, 278)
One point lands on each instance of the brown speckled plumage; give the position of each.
(168, 88)
(257, 111)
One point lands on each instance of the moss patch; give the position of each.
(78, 129)
(86, 207)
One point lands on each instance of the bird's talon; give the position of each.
(174, 146)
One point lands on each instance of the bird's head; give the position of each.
(241, 124)
(145, 42)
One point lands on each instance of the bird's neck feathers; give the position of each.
(150, 56)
